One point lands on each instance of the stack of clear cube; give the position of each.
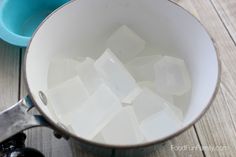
(121, 97)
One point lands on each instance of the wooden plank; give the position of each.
(217, 127)
(227, 10)
(44, 140)
(9, 74)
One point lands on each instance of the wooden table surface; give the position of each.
(215, 133)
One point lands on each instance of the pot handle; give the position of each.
(17, 118)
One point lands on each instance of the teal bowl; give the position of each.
(20, 18)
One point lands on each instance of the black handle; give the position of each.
(15, 147)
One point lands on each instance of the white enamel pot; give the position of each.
(81, 27)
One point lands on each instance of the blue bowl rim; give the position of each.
(13, 38)
(9, 36)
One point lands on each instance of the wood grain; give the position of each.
(9, 74)
(217, 127)
(226, 10)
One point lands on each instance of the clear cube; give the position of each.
(115, 74)
(95, 113)
(151, 86)
(172, 76)
(125, 43)
(123, 129)
(67, 96)
(148, 103)
(128, 100)
(147, 84)
(60, 70)
(161, 124)
(149, 50)
(88, 74)
(80, 59)
(142, 68)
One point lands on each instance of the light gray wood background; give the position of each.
(217, 129)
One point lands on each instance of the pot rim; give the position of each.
(135, 146)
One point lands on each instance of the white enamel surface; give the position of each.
(125, 43)
(123, 128)
(182, 101)
(88, 119)
(82, 28)
(115, 74)
(172, 76)
(177, 111)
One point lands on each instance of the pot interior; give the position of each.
(81, 28)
